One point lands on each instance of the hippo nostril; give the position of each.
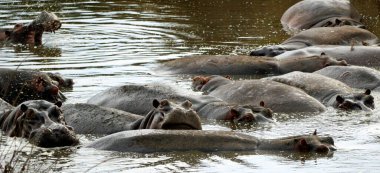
(70, 128)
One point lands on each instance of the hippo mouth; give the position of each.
(48, 138)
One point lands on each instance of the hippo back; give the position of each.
(308, 13)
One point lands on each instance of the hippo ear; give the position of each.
(339, 99)
(367, 92)
(343, 63)
(315, 132)
(24, 107)
(234, 114)
(187, 104)
(323, 53)
(58, 103)
(156, 103)
(337, 22)
(228, 77)
(262, 104)
(303, 142)
(164, 102)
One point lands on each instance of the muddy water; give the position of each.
(109, 43)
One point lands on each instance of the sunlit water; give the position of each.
(109, 43)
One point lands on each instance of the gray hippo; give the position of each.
(345, 35)
(135, 98)
(308, 14)
(17, 86)
(328, 91)
(32, 32)
(39, 121)
(277, 96)
(93, 119)
(147, 141)
(354, 55)
(245, 65)
(353, 76)
(60, 81)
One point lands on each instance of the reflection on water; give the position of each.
(109, 43)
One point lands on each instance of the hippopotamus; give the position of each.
(93, 119)
(17, 86)
(328, 91)
(246, 65)
(60, 81)
(345, 35)
(353, 76)
(39, 121)
(135, 98)
(277, 96)
(308, 14)
(353, 55)
(32, 32)
(147, 141)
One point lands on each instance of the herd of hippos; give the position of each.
(317, 67)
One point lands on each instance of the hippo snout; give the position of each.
(56, 136)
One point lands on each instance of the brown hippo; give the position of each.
(246, 65)
(353, 76)
(277, 96)
(17, 86)
(354, 55)
(32, 32)
(135, 98)
(328, 91)
(147, 141)
(93, 119)
(345, 35)
(39, 121)
(308, 14)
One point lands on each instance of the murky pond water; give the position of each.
(109, 43)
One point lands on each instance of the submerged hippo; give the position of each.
(308, 14)
(135, 98)
(345, 35)
(246, 65)
(93, 119)
(354, 55)
(32, 32)
(277, 96)
(328, 91)
(147, 141)
(17, 86)
(39, 121)
(353, 76)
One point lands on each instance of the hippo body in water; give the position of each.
(277, 96)
(32, 32)
(147, 141)
(39, 121)
(345, 35)
(246, 65)
(308, 14)
(328, 91)
(17, 86)
(354, 55)
(135, 98)
(93, 119)
(353, 76)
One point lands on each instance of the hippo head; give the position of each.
(208, 83)
(41, 122)
(167, 115)
(270, 51)
(198, 82)
(261, 113)
(329, 61)
(43, 88)
(60, 81)
(302, 143)
(338, 22)
(32, 33)
(358, 101)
